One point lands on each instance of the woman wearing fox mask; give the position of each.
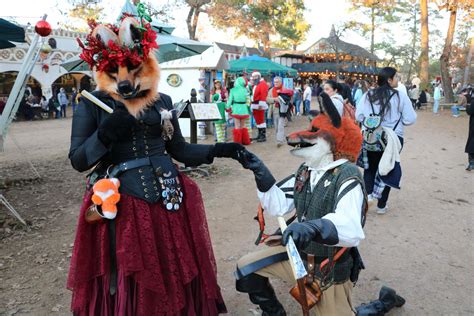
(155, 257)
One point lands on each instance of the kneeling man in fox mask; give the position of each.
(328, 194)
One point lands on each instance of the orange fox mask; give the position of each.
(124, 62)
(343, 135)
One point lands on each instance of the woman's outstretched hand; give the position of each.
(263, 176)
(228, 150)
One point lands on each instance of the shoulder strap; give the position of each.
(347, 189)
(371, 105)
(388, 101)
(395, 127)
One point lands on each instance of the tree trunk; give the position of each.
(412, 57)
(424, 58)
(266, 45)
(372, 30)
(192, 35)
(467, 69)
(189, 23)
(444, 59)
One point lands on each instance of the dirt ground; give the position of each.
(422, 247)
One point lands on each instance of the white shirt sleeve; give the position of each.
(361, 108)
(408, 113)
(347, 217)
(278, 201)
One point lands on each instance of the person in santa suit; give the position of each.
(259, 105)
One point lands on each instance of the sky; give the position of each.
(320, 14)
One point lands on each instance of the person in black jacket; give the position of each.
(155, 257)
(421, 100)
(470, 138)
(345, 90)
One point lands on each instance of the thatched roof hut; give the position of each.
(330, 55)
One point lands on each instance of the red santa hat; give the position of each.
(256, 73)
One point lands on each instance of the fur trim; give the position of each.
(166, 125)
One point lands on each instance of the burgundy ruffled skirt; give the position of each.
(165, 261)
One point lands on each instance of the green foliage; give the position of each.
(82, 11)
(292, 27)
(264, 21)
(434, 69)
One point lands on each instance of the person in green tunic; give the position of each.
(237, 104)
(220, 125)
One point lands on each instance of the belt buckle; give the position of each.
(159, 171)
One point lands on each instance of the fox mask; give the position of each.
(131, 78)
(327, 133)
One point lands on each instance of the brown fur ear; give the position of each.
(128, 31)
(104, 34)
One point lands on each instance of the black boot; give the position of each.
(388, 299)
(470, 165)
(261, 292)
(263, 136)
(259, 135)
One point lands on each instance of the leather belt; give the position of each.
(318, 260)
(128, 165)
(259, 264)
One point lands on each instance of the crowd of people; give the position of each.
(254, 102)
(132, 152)
(33, 106)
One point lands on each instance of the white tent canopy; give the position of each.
(211, 58)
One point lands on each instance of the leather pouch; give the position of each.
(311, 286)
(94, 214)
(313, 294)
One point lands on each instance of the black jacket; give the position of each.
(145, 141)
(346, 93)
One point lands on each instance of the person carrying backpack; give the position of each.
(383, 112)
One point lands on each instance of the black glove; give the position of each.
(227, 150)
(263, 176)
(320, 230)
(117, 126)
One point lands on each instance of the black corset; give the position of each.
(144, 141)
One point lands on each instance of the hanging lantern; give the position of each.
(46, 49)
(43, 28)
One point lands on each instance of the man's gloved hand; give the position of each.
(116, 126)
(318, 230)
(263, 176)
(227, 150)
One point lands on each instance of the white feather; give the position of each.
(166, 115)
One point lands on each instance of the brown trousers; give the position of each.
(335, 301)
